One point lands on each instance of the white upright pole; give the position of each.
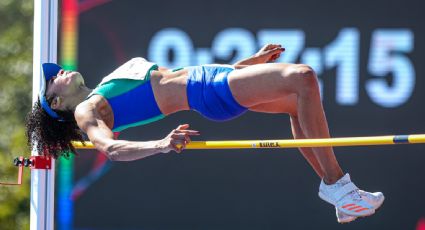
(45, 50)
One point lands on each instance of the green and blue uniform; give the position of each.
(133, 103)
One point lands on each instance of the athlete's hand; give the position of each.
(269, 53)
(178, 139)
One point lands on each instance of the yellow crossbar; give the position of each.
(296, 143)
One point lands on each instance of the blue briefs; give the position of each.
(209, 94)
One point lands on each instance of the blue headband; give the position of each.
(49, 70)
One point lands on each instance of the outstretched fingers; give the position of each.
(270, 52)
(180, 137)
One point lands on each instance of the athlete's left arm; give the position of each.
(267, 53)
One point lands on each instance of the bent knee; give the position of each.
(304, 71)
(305, 77)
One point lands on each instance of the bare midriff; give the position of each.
(169, 89)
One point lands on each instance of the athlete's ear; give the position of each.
(56, 103)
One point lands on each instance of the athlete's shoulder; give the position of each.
(88, 110)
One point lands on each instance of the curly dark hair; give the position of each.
(50, 136)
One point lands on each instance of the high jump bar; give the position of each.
(296, 143)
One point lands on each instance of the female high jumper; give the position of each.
(140, 92)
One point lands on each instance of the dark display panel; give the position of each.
(369, 58)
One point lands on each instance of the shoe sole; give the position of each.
(355, 217)
(323, 197)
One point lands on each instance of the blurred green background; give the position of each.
(16, 26)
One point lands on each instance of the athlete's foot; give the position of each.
(345, 196)
(375, 199)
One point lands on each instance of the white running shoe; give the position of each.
(345, 196)
(375, 199)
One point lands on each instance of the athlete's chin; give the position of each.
(76, 77)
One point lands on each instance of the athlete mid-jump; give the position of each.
(140, 92)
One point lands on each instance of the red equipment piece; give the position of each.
(34, 162)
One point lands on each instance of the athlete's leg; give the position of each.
(269, 82)
(266, 83)
(280, 106)
(306, 152)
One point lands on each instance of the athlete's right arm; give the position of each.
(121, 150)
